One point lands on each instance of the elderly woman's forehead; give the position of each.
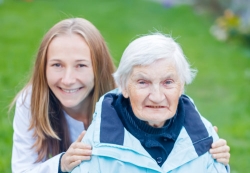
(168, 60)
(163, 65)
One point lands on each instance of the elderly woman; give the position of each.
(149, 125)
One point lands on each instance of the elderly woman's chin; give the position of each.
(155, 117)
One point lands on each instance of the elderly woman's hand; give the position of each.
(76, 153)
(220, 150)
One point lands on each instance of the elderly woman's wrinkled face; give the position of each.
(154, 92)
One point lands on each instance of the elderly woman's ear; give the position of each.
(125, 93)
(182, 89)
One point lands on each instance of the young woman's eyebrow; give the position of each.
(54, 60)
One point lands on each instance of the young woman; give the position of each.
(72, 70)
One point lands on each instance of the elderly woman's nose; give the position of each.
(156, 95)
(68, 77)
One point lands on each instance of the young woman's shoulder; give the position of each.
(22, 108)
(23, 98)
(23, 154)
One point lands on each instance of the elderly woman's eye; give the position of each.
(141, 82)
(168, 82)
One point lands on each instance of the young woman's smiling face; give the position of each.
(69, 70)
(154, 91)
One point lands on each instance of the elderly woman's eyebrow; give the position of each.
(169, 76)
(141, 75)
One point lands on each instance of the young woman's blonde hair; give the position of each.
(47, 120)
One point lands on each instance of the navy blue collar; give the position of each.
(139, 128)
(112, 126)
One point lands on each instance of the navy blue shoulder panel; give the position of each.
(196, 128)
(111, 128)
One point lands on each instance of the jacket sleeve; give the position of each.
(23, 155)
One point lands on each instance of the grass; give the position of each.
(220, 90)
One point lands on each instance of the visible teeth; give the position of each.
(70, 91)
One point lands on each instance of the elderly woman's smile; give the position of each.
(154, 91)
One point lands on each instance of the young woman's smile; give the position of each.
(70, 90)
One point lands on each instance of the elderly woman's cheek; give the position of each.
(137, 97)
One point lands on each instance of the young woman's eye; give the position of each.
(57, 65)
(81, 65)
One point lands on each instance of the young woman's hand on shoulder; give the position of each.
(76, 153)
(220, 150)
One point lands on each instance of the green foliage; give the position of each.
(220, 90)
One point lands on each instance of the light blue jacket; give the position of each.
(115, 150)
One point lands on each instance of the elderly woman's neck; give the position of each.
(156, 124)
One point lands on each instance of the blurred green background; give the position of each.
(221, 89)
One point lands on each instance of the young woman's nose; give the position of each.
(68, 77)
(156, 95)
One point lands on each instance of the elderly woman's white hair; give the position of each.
(148, 49)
